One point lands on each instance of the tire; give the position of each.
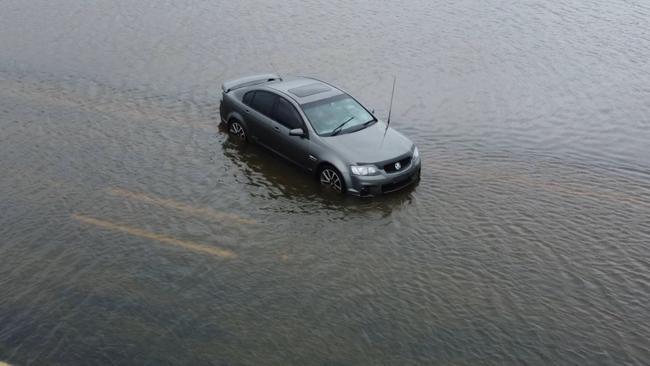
(330, 178)
(237, 130)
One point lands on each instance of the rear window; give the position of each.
(248, 97)
(263, 102)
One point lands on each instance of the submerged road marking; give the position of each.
(189, 245)
(558, 187)
(120, 106)
(195, 211)
(579, 190)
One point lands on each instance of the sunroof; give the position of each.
(309, 89)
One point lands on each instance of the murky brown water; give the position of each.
(132, 231)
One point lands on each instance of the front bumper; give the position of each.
(374, 185)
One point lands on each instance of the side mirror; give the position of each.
(297, 132)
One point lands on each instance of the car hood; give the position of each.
(372, 144)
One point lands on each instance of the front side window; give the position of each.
(263, 102)
(328, 115)
(287, 115)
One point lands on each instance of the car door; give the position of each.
(295, 148)
(258, 116)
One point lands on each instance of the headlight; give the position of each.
(364, 169)
(416, 153)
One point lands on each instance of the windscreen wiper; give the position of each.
(365, 124)
(340, 127)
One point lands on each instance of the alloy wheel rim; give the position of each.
(237, 130)
(331, 179)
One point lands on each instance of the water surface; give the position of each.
(133, 231)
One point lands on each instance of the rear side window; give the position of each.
(248, 97)
(263, 102)
(286, 114)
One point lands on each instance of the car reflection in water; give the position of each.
(260, 168)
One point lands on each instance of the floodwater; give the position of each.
(133, 231)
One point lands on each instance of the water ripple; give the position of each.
(133, 231)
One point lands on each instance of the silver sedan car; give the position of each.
(322, 130)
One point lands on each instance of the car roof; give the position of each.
(305, 90)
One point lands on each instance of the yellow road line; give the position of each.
(195, 211)
(189, 245)
(580, 190)
(557, 187)
(4, 364)
(115, 107)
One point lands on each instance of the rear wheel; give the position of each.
(237, 129)
(330, 178)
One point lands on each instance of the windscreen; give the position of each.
(329, 114)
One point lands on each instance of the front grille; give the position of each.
(404, 163)
(397, 185)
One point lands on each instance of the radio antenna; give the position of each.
(390, 109)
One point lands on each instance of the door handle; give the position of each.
(247, 110)
(276, 128)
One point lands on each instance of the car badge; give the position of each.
(398, 166)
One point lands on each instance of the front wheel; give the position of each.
(331, 178)
(235, 128)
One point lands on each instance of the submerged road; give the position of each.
(134, 231)
(159, 227)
